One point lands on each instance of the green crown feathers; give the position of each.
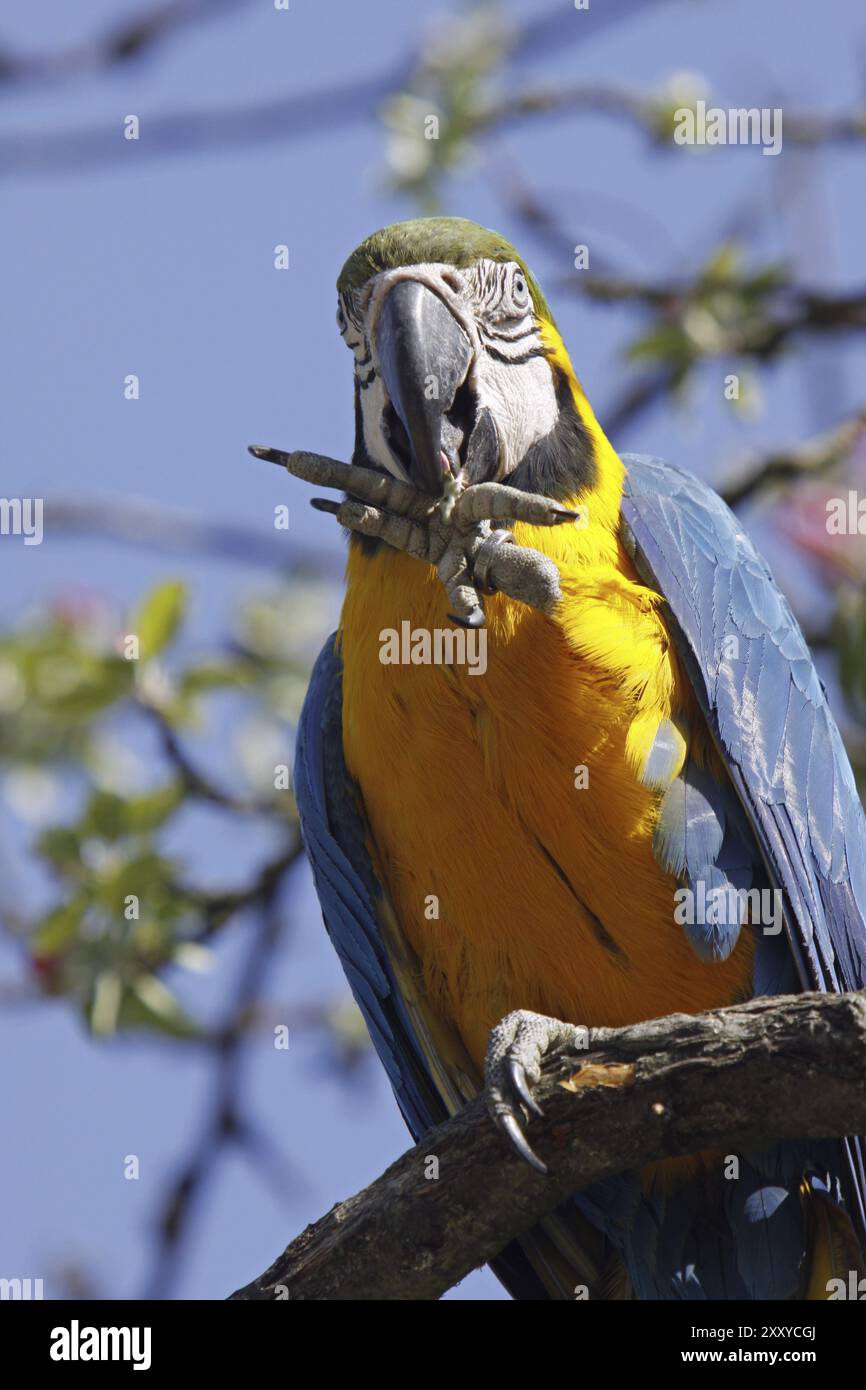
(445, 240)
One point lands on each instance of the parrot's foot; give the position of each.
(515, 1052)
(452, 532)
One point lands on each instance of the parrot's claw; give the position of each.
(511, 1127)
(521, 1086)
(515, 1052)
(454, 532)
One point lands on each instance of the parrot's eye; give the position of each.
(519, 290)
(515, 297)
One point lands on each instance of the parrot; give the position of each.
(611, 789)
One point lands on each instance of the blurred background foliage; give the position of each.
(99, 739)
(73, 686)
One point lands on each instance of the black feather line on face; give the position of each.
(367, 544)
(562, 464)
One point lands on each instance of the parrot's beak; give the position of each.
(424, 358)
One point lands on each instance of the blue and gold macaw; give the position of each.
(638, 804)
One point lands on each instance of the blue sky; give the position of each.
(163, 267)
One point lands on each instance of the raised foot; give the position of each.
(460, 533)
(515, 1052)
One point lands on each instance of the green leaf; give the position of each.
(60, 845)
(105, 1007)
(666, 343)
(143, 814)
(150, 1005)
(724, 263)
(104, 816)
(58, 929)
(110, 817)
(89, 685)
(213, 676)
(159, 618)
(765, 281)
(149, 877)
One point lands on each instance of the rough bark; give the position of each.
(767, 1070)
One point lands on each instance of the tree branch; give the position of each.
(741, 1077)
(131, 38)
(652, 112)
(176, 531)
(810, 459)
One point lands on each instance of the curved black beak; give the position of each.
(424, 356)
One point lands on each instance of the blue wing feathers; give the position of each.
(768, 1224)
(766, 706)
(691, 824)
(761, 694)
(346, 890)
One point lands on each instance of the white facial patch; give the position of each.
(522, 400)
(373, 403)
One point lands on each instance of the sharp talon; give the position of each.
(562, 514)
(325, 504)
(474, 619)
(261, 451)
(518, 1081)
(512, 1129)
